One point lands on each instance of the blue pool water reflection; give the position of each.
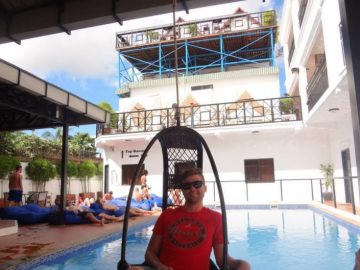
(268, 239)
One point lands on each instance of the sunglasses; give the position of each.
(195, 184)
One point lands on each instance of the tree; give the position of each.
(7, 164)
(86, 170)
(7, 142)
(40, 171)
(114, 118)
(81, 143)
(100, 169)
(72, 170)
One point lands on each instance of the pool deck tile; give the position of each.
(33, 241)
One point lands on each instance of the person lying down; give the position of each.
(133, 210)
(84, 213)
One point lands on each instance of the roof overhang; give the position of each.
(33, 18)
(28, 102)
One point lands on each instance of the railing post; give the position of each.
(218, 114)
(192, 116)
(352, 195)
(272, 110)
(281, 191)
(144, 121)
(214, 191)
(312, 189)
(333, 186)
(322, 201)
(247, 192)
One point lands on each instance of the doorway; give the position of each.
(346, 163)
(128, 172)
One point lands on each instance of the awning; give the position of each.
(28, 102)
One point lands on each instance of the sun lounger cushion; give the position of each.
(27, 214)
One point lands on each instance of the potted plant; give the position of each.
(286, 105)
(327, 171)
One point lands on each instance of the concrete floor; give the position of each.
(33, 241)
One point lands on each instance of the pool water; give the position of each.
(268, 239)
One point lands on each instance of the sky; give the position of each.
(85, 62)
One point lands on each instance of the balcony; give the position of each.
(198, 28)
(244, 112)
(291, 51)
(318, 83)
(302, 10)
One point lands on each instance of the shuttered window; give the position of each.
(259, 170)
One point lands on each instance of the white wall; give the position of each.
(225, 90)
(53, 186)
(297, 154)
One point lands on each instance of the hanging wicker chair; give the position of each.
(181, 147)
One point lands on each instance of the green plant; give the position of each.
(327, 171)
(72, 170)
(286, 105)
(152, 35)
(7, 164)
(192, 29)
(40, 171)
(100, 168)
(86, 170)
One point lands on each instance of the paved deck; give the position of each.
(42, 239)
(38, 240)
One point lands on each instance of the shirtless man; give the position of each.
(15, 187)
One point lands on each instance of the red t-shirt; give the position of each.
(188, 237)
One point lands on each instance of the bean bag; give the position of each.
(97, 208)
(27, 214)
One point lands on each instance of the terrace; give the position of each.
(242, 112)
(196, 28)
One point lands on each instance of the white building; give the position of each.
(267, 148)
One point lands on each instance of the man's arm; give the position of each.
(232, 263)
(153, 251)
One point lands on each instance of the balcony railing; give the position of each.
(302, 10)
(291, 51)
(318, 83)
(197, 28)
(203, 116)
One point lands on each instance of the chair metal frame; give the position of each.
(172, 140)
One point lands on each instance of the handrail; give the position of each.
(311, 181)
(318, 83)
(196, 28)
(243, 112)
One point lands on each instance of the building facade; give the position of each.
(268, 147)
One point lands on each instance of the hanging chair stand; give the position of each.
(179, 145)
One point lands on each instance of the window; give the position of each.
(239, 23)
(128, 173)
(202, 87)
(259, 170)
(139, 37)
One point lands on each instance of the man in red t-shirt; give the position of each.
(184, 237)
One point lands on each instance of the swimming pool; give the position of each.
(268, 239)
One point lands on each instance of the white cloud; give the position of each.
(90, 53)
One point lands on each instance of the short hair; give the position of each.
(110, 192)
(145, 172)
(189, 172)
(18, 167)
